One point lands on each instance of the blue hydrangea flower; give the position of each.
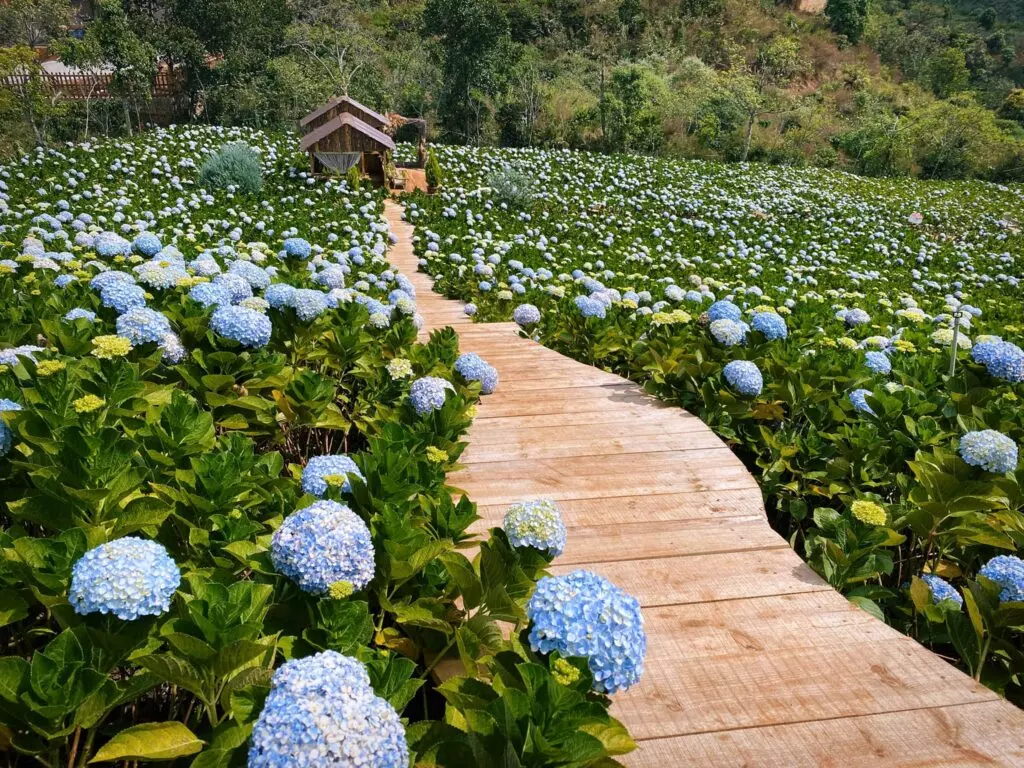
(854, 317)
(63, 281)
(308, 304)
(246, 326)
(1002, 359)
(121, 296)
(7, 405)
(727, 332)
(143, 325)
(105, 279)
(110, 244)
(991, 450)
(147, 244)
(297, 248)
(428, 393)
(12, 356)
(941, 589)
(744, 377)
(321, 545)
(173, 351)
(859, 399)
(321, 712)
(253, 274)
(536, 524)
(210, 294)
(1008, 572)
(319, 467)
(469, 309)
(583, 614)
(78, 313)
(472, 367)
(878, 362)
(771, 325)
(6, 438)
(236, 284)
(590, 307)
(724, 310)
(279, 295)
(526, 314)
(128, 577)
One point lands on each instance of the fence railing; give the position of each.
(92, 85)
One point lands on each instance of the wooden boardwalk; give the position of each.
(752, 659)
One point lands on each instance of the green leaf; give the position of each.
(920, 594)
(150, 741)
(974, 614)
(465, 578)
(12, 607)
(140, 512)
(14, 672)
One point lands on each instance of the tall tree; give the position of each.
(329, 35)
(33, 22)
(28, 101)
(110, 42)
(847, 17)
(467, 34)
(759, 86)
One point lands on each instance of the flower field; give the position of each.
(856, 341)
(227, 535)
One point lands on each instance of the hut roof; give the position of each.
(340, 121)
(335, 101)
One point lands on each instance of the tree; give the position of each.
(880, 146)
(758, 87)
(467, 34)
(947, 72)
(111, 42)
(329, 35)
(634, 119)
(987, 18)
(959, 138)
(1013, 107)
(847, 17)
(33, 22)
(29, 101)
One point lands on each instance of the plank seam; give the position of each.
(783, 723)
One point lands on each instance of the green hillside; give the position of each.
(882, 87)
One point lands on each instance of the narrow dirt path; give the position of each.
(752, 659)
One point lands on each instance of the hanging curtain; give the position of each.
(339, 162)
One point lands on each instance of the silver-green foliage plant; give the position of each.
(234, 165)
(511, 186)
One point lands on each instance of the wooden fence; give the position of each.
(94, 85)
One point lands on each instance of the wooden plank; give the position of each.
(781, 659)
(607, 474)
(582, 443)
(977, 734)
(701, 578)
(618, 510)
(497, 421)
(631, 541)
(486, 436)
(752, 658)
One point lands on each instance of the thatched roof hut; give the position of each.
(338, 105)
(344, 141)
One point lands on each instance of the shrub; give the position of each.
(233, 165)
(433, 171)
(511, 186)
(353, 178)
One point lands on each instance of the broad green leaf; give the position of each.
(150, 741)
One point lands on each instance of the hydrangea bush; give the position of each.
(226, 533)
(812, 319)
